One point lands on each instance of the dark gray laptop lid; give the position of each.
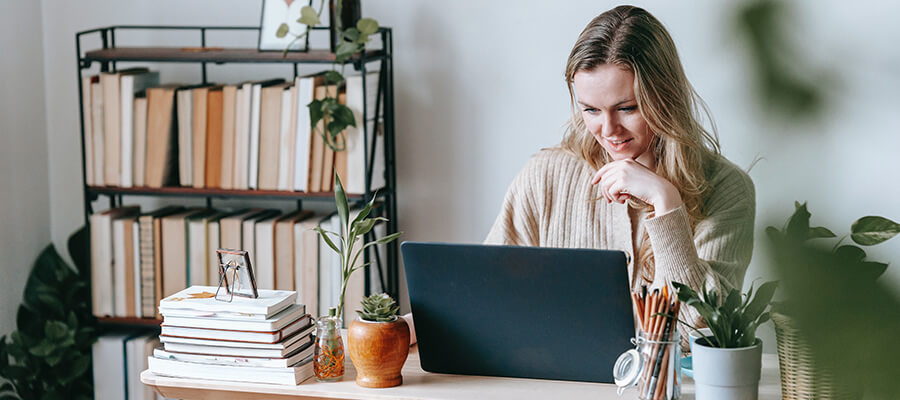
(517, 311)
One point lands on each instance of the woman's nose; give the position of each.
(609, 125)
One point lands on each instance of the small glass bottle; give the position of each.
(653, 366)
(328, 362)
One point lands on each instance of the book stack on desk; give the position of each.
(262, 340)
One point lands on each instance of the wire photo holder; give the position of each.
(235, 275)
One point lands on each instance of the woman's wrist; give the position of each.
(668, 200)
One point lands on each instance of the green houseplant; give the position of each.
(378, 342)
(727, 364)
(49, 355)
(336, 117)
(349, 244)
(835, 277)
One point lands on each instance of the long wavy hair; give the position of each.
(633, 39)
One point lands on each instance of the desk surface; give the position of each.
(418, 384)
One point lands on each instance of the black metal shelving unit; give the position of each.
(109, 54)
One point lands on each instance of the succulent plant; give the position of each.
(378, 307)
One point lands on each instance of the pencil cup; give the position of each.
(652, 366)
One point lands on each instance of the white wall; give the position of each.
(24, 198)
(479, 88)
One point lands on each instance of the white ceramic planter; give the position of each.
(727, 374)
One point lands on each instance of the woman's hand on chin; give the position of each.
(622, 179)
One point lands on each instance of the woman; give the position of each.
(635, 171)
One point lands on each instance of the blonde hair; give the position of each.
(631, 38)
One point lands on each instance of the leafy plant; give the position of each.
(733, 321)
(336, 117)
(866, 231)
(49, 355)
(378, 307)
(353, 234)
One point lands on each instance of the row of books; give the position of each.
(250, 135)
(262, 340)
(139, 258)
(118, 359)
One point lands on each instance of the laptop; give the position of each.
(523, 312)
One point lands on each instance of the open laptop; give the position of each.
(513, 311)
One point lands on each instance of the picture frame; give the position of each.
(276, 12)
(235, 275)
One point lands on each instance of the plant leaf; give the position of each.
(873, 230)
(384, 239)
(282, 30)
(351, 34)
(345, 50)
(367, 26)
(333, 77)
(328, 241)
(798, 224)
(820, 232)
(759, 303)
(308, 16)
(340, 200)
(315, 112)
(872, 270)
(849, 254)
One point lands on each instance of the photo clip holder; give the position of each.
(235, 275)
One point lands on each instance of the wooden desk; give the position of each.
(418, 384)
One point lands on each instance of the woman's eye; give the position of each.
(628, 109)
(590, 110)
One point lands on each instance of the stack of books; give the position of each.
(262, 340)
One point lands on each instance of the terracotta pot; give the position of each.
(378, 351)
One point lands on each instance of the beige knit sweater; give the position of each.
(551, 203)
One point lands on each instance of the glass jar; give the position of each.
(653, 366)
(328, 362)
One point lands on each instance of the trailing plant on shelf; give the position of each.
(335, 117)
(732, 319)
(378, 307)
(352, 235)
(49, 355)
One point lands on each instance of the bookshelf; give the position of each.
(108, 54)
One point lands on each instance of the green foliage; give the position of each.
(353, 233)
(337, 117)
(378, 307)
(788, 242)
(733, 321)
(49, 355)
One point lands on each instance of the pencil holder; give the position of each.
(652, 366)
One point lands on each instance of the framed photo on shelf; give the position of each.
(235, 275)
(274, 14)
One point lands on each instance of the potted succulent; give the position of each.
(378, 342)
(727, 364)
(813, 274)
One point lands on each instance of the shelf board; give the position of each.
(129, 321)
(216, 55)
(194, 192)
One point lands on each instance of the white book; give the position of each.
(138, 293)
(278, 321)
(88, 136)
(102, 259)
(214, 347)
(128, 86)
(356, 146)
(231, 373)
(137, 351)
(301, 337)
(140, 141)
(306, 263)
(248, 236)
(97, 135)
(108, 359)
(198, 298)
(265, 362)
(119, 265)
(242, 136)
(305, 94)
(297, 325)
(264, 265)
(286, 140)
(198, 249)
(253, 163)
(185, 109)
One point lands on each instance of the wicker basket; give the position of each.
(800, 377)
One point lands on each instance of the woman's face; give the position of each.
(605, 96)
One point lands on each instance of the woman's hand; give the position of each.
(624, 178)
